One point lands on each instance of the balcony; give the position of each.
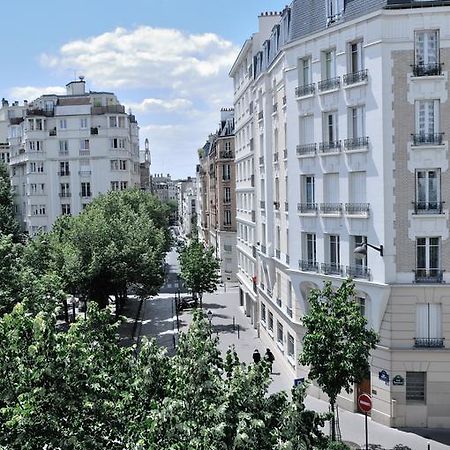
(427, 70)
(330, 147)
(427, 138)
(261, 160)
(355, 77)
(358, 272)
(428, 276)
(276, 206)
(65, 194)
(306, 149)
(262, 204)
(357, 208)
(308, 266)
(331, 269)
(110, 109)
(40, 112)
(429, 342)
(331, 208)
(226, 154)
(356, 143)
(310, 208)
(307, 89)
(64, 173)
(85, 152)
(275, 157)
(261, 115)
(428, 207)
(330, 84)
(84, 173)
(286, 206)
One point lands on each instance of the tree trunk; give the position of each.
(200, 296)
(333, 421)
(66, 310)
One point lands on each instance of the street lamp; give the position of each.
(361, 251)
(210, 316)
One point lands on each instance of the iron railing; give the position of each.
(306, 149)
(308, 266)
(426, 70)
(331, 208)
(358, 142)
(358, 272)
(427, 138)
(355, 77)
(64, 173)
(429, 342)
(328, 85)
(307, 207)
(65, 194)
(307, 89)
(428, 207)
(226, 154)
(428, 276)
(331, 269)
(330, 147)
(357, 208)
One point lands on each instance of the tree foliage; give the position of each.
(82, 390)
(8, 221)
(337, 343)
(199, 268)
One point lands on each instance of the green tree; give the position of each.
(8, 221)
(337, 342)
(199, 268)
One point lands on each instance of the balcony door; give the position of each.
(427, 117)
(427, 47)
(428, 258)
(428, 189)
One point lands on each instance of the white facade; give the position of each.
(66, 149)
(187, 202)
(349, 138)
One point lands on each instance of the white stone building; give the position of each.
(187, 206)
(66, 149)
(350, 117)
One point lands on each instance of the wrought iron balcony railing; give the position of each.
(331, 269)
(330, 147)
(306, 149)
(357, 208)
(355, 77)
(307, 207)
(429, 342)
(328, 85)
(358, 142)
(358, 272)
(308, 266)
(428, 207)
(64, 173)
(426, 70)
(427, 138)
(331, 208)
(65, 194)
(307, 89)
(429, 276)
(226, 154)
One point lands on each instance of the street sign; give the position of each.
(298, 381)
(365, 403)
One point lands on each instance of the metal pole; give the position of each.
(428, 446)
(367, 434)
(234, 323)
(73, 309)
(238, 330)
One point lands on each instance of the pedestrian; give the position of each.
(268, 357)
(256, 356)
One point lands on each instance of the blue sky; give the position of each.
(166, 60)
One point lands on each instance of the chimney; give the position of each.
(76, 87)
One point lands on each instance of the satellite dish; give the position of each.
(81, 77)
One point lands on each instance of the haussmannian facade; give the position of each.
(342, 125)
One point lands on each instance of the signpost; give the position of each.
(365, 405)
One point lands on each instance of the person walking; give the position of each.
(256, 356)
(270, 358)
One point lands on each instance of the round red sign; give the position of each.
(365, 403)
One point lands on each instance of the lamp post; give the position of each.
(210, 316)
(361, 251)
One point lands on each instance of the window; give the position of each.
(63, 146)
(427, 257)
(121, 121)
(63, 124)
(114, 164)
(123, 185)
(428, 325)
(330, 190)
(415, 387)
(289, 300)
(227, 195)
(335, 252)
(306, 129)
(83, 122)
(227, 146)
(357, 188)
(65, 209)
(355, 60)
(227, 217)
(428, 189)
(356, 125)
(64, 168)
(227, 248)
(86, 189)
(38, 210)
(308, 192)
(35, 146)
(118, 143)
(32, 168)
(330, 129)
(40, 167)
(362, 305)
(328, 64)
(64, 190)
(37, 188)
(226, 172)
(427, 117)
(114, 185)
(426, 47)
(280, 331)
(310, 248)
(263, 312)
(113, 122)
(123, 164)
(270, 321)
(290, 346)
(84, 144)
(304, 71)
(335, 9)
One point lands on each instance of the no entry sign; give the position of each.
(365, 403)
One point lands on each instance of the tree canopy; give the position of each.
(199, 268)
(337, 342)
(8, 221)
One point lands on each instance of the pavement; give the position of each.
(157, 318)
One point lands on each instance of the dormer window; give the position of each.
(335, 9)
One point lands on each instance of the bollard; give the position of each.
(238, 330)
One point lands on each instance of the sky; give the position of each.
(168, 61)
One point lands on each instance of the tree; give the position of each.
(8, 221)
(199, 268)
(337, 342)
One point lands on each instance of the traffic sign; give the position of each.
(365, 403)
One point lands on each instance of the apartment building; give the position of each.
(216, 195)
(187, 210)
(350, 117)
(66, 149)
(164, 187)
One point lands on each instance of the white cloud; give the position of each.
(158, 104)
(32, 92)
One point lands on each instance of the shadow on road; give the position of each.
(227, 328)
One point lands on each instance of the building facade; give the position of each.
(187, 206)
(217, 197)
(349, 115)
(66, 149)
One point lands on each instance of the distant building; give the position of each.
(144, 169)
(66, 149)
(164, 187)
(187, 202)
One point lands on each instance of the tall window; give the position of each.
(308, 191)
(335, 251)
(355, 60)
(280, 333)
(64, 168)
(331, 188)
(310, 254)
(329, 64)
(427, 117)
(428, 257)
(86, 189)
(84, 144)
(428, 324)
(330, 129)
(427, 47)
(227, 195)
(63, 124)
(65, 209)
(63, 146)
(227, 217)
(263, 312)
(270, 321)
(290, 346)
(356, 125)
(83, 122)
(226, 172)
(65, 190)
(428, 189)
(357, 187)
(335, 9)
(304, 71)
(306, 129)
